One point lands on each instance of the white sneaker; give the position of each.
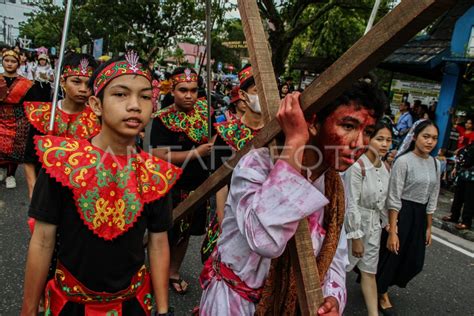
(10, 182)
(3, 174)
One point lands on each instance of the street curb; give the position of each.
(467, 234)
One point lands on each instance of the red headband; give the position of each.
(245, 74)
(186, 76)
(129, 66)
(83, 70)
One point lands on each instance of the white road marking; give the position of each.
(453, 246)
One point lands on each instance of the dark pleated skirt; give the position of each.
(400, 269)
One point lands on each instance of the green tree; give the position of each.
(179, 56)
(149, 25)
(44, 26)
(328, 25)
(230, 30)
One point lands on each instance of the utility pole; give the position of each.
(5, 18)
(375, 9)
(9, 34)
(14, 39)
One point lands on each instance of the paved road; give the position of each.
(445, 287)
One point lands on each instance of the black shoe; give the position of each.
(389, 311)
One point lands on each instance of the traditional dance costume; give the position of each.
(14, 126)
(80, 125)
(182, 132)
(84, 124)
(234, 133)
(102, 205)
(233, 136)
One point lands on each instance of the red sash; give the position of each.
(17, 90)
(214, 268)
(66, 288)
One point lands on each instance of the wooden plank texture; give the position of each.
(303, 262)
(392, 31)
(261, 58)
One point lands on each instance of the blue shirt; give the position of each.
(404, 122)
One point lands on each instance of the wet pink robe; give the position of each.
(262, 211)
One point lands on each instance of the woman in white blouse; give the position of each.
(367, 183)
(411, 202)
(43, 75)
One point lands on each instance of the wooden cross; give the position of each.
(392, 31)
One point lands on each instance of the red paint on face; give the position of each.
(344, 135)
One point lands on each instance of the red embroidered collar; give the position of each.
(235, 133)
(110, 191)
(82, 125)
(193, 124)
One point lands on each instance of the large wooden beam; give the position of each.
(310, 294)
(261, 58)
(392, 31)
(303, 262)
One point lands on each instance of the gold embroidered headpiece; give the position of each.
(82, 70)
(187, 76)
(11, 53)
(129, 66)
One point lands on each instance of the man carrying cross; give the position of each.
(267, 200)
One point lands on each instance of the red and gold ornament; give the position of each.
(83, 70)
(129, 66)
(245, 74)
(187, 76)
